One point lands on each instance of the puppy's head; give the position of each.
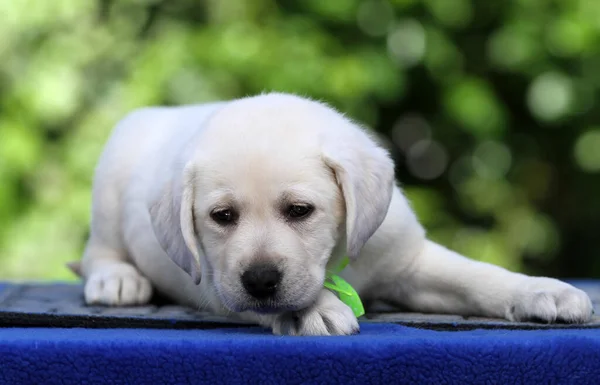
(275, 183)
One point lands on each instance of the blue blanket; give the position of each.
(381, 354)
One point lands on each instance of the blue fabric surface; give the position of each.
(381, 354)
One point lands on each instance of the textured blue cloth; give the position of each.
(381, 354)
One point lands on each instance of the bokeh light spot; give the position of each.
(511, 47)
(454, 13)
(474, 105)
(567, 37)
(409, 130)
(587, 151)
(374, 17)
(427, 160)
(550, 96)
(407, 43)
(533, 233)
(491, 159)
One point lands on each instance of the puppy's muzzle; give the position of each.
(261, 280)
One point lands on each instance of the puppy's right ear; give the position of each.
(172, 218)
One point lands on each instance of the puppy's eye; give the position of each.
(299, 211)
(224, 216)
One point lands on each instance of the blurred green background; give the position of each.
(489, 108)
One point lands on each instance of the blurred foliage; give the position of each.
(489, 108)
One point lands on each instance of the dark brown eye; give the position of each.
(299, 211)
(224, 216)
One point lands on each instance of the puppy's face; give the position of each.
(270, 187)
(267, 223)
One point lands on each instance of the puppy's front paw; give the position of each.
(328, 316)
(117, 285)
(550, 300)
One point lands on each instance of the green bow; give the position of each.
(345, 291)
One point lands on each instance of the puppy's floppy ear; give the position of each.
(172, 217)
(365, 173)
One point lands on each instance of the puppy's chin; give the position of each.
(270, 309)
(262, 307)
(275, 305)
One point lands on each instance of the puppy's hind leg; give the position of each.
(442, 281)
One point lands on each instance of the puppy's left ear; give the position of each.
(365, 173)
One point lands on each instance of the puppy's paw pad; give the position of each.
(118, 285)
(327, 317)
(550, 300)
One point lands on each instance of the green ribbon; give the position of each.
(345, 291)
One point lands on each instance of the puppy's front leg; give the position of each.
(442, 281)
(110, 279)
(328, 316)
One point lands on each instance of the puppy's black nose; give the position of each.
(261, 280)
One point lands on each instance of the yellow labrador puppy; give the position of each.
(240, 207)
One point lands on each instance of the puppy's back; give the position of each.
(139, 145)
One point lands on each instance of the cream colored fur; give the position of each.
(165, 169)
